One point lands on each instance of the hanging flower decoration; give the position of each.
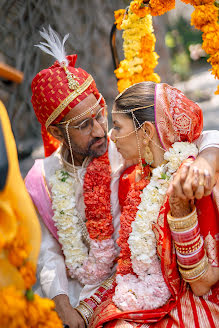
(139, 44)
(205, 18)
(139, 40)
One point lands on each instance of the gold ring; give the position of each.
(201, 183)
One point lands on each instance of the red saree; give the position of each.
(177, 119)
(183, 309)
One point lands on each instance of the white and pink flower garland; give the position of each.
(89, 266)
(143, 287)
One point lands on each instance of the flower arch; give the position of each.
(139, 39)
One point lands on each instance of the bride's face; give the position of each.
(127, 145)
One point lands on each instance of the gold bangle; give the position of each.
(86, 313)
(196, 272)
(197, 278)
(182, 224)
(188, 250)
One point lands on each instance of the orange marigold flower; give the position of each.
(19, 249)
(40, 314)
(160, 7)
(139, 8)
(28, 272)
(217, 91)
(123, 84)
(211, 38)
(147, 43)
(214, 60)
(198, 2)
(119, 15)
(204, 15)
(12, 308)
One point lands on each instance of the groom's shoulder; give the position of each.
(43, 165)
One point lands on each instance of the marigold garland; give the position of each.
(97, 198)
(18, 312)
(139, 44)
(140, 59)
(205, 18)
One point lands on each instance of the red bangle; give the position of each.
(192, 259)
(186, 236)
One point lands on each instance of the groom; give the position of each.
(77, 182)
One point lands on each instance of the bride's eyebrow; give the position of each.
(115, 121)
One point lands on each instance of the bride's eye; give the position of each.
(116, 127)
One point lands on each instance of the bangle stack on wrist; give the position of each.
(189, 245)
(85, 311)
(87, 307)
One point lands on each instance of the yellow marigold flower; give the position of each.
(151, 60)
(154, 77)
(124, 84)
(28, 272)
(119, 15)
(12, 308)
(204, 15)
(136, 78)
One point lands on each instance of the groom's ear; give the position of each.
(149, 129)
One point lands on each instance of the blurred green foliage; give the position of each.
(180, 35)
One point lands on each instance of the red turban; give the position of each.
(177, 118)
(52, 98)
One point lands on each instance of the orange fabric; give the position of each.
(177, 118)
(49, 89)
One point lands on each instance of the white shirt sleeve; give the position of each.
(208, 139)
(51, 271)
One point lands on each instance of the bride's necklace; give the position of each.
(140, 283)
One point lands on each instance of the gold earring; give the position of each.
(148, 156)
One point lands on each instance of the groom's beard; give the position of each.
(91, 150)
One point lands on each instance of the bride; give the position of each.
(167, 274)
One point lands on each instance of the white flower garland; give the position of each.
(89, 267)
(148, 290)
(67, 220)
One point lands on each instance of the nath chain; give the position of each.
(138, 144)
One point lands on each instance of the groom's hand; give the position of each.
(196, 179)
(67, 313)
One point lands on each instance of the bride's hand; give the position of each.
(179, 207)
(195, 179)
